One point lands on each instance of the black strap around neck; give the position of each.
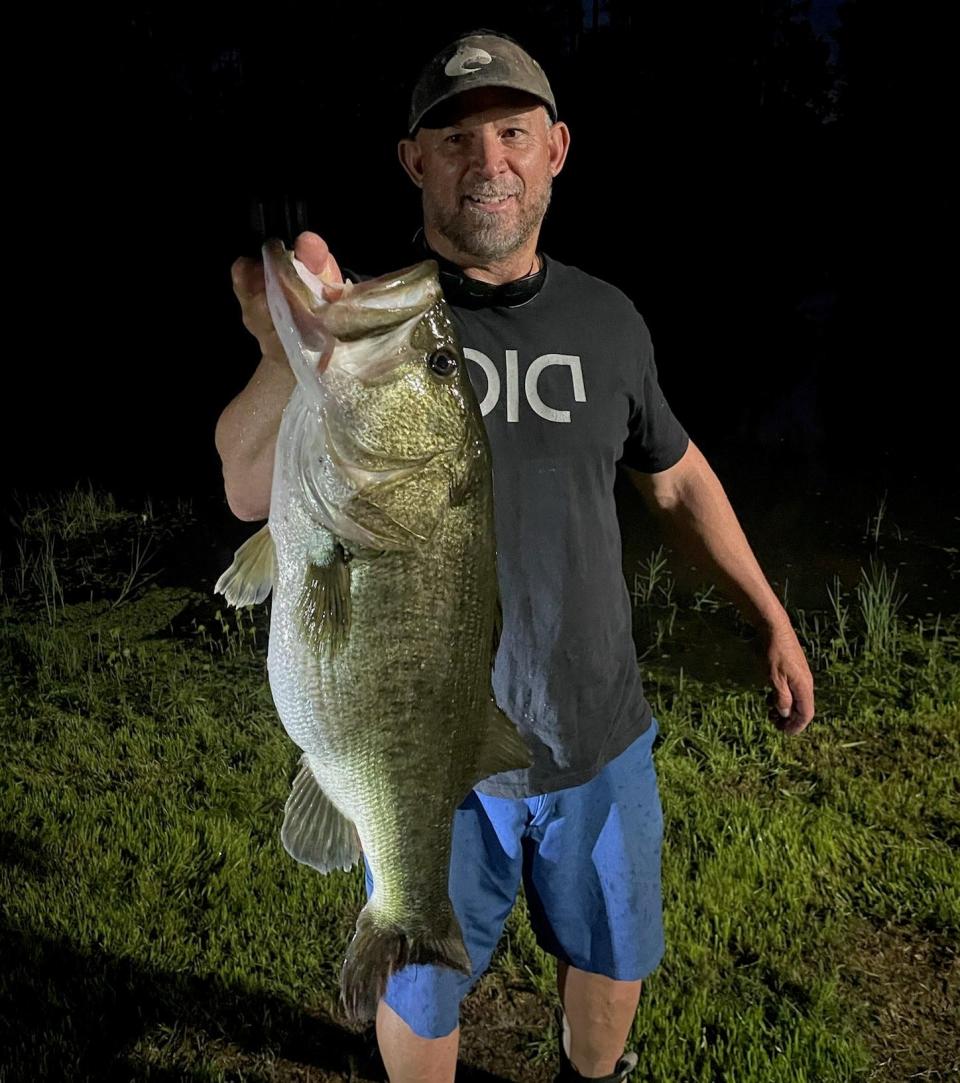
(460, 289)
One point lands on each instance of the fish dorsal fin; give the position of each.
(314, 831)
(250, 577)
(323, 606)
(503, 748)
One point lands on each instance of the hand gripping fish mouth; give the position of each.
(381, 556)
(382, 379)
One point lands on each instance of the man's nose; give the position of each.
(488, 154)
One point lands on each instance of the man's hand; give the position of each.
(246, 433)
(791, 700)
(313, 253)
(250, 288)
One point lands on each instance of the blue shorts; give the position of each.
(589, 858)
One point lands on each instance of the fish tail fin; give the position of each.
(378, 949)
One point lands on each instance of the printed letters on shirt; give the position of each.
(530, 383)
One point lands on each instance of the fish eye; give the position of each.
(443, 363)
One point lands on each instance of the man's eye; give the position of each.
(457, 137)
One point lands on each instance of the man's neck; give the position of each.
(518, 264)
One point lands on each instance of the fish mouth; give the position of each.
(296, 303)
(310, 326)
(382, 304)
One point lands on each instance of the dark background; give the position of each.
(766, 180)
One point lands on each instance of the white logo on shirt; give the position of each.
(530, 381)
(465, 55)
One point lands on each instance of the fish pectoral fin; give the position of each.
(458, 491)
(355, 551)
(468, 468)
(503, 748)
(249, 579)
(314, 830)
(323, 606)
(497, 630)
(383, 527)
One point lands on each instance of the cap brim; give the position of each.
(507, 84)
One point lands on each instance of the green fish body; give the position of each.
(381, 555)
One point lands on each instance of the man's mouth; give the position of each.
(488, 202)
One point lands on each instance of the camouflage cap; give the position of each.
(479, 59)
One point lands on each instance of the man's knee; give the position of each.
(613, 997)
(595, 996)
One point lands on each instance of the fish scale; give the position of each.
(381, 555)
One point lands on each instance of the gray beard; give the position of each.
(486, 237)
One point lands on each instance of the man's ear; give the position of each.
(411, 158)
(558, 140)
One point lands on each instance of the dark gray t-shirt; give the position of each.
(568, 388)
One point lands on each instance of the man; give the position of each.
(563, 366)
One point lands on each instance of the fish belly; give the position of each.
(394, 720)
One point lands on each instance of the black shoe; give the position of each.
(569, 1074)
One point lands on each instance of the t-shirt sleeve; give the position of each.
(656, 439)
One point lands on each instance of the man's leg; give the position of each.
(417, 1018)
(600, 1012)
(592, 881)
(409, 1058)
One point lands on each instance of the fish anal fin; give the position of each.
(503, 748)
(323, 606)
(314, 831)
(250, 577)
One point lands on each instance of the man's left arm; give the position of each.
(696, 515)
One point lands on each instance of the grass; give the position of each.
(154, 928)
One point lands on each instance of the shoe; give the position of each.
(569, 1074)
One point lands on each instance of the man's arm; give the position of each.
(696, 515)
(246, 432)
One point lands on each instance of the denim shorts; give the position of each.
(589, 859)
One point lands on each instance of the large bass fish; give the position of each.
(380, 553)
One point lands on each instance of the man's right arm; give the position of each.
(246, 432)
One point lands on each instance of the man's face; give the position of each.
(486, 173)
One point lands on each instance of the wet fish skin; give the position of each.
(380, 551)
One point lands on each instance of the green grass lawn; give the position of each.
(154, 928)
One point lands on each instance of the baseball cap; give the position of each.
(480, 58)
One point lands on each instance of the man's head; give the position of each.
(484, 149)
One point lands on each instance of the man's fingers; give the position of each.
(247, 277)
(780, 700)
(795, 725)
(313, 252)
(790, 700)
(791, 712)
(250, 289)
(249, 286)
(803, 709)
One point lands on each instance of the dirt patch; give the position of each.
(502, 1028)
(910, 985)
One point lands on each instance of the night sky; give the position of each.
(766, 181)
